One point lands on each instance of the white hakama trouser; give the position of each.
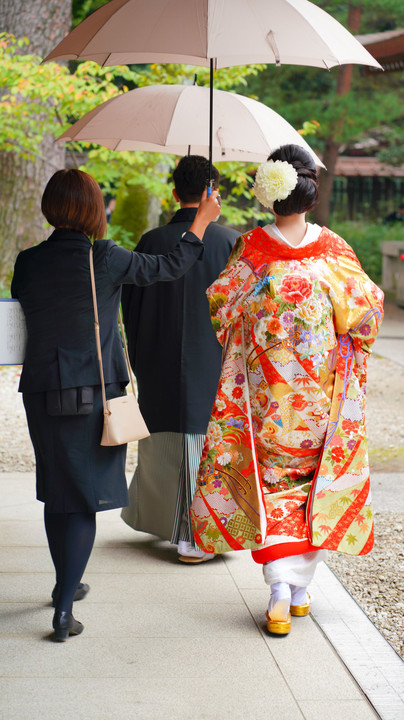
(294, 569)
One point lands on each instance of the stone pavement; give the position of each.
(165, 641)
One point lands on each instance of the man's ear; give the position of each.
(176, 195)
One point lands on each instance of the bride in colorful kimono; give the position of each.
(284, 471)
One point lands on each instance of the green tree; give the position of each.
(23, 177)
(347, 104)
(82, 8)
(41, 101)
(377, 104)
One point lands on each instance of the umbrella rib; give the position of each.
(101, 11)
(106, 60)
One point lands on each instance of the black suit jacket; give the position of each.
(52, 282)
(172, 346)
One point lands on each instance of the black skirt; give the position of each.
(74, 473)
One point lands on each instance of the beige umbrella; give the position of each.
(171, 119)
(228, 32)
(215, 33)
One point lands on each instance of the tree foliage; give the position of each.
(38, 100)
(82, 8)
(23, 179)
(374, 103)
(41, 100)
(371, 108)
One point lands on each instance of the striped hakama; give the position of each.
(163, 485)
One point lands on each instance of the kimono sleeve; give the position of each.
(357, 303)
(339, 506)
(225, 294)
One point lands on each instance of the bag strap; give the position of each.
(98, 340)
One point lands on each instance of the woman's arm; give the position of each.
(126, 267)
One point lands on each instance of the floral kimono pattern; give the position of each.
(284, 468)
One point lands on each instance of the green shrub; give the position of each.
(365, 239)
(129, 218)
(4, 290)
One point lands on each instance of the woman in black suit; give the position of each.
(60, 380)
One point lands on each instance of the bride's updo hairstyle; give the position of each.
(305, 195)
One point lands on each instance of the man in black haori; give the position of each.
(176, 359)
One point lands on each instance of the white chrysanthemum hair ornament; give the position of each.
(275, 180)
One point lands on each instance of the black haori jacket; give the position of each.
(173, 349)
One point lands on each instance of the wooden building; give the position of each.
(388, 49)
(364, 187)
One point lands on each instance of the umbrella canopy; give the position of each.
(229, 32)
(172, 119)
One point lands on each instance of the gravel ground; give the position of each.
(374, 580)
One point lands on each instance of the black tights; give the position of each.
(71, 539)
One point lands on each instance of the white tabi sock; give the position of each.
(279, 602)
(299, 595)
(188, 550)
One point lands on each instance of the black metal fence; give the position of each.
(365, 198)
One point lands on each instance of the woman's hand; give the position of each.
(208, 211)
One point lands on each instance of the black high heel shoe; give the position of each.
(64, 625)
(81, 592)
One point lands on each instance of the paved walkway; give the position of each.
(390, 340)
(164, 641)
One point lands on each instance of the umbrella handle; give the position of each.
(210, 187)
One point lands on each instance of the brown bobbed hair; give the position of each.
(305, 195)
(73, 199)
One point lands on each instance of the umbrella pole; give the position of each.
(210, 125)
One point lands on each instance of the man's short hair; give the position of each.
(191, 178)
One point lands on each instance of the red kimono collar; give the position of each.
(266, 244)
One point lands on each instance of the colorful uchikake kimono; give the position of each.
(284, 468)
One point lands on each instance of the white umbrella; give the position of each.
(229, 32)
(215, 33)
(171, 119)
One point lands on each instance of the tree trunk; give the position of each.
(45, 23)
(332, 146)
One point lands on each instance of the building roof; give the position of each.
(356, 166)
(387, 47)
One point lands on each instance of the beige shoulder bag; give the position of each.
(123, 421)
